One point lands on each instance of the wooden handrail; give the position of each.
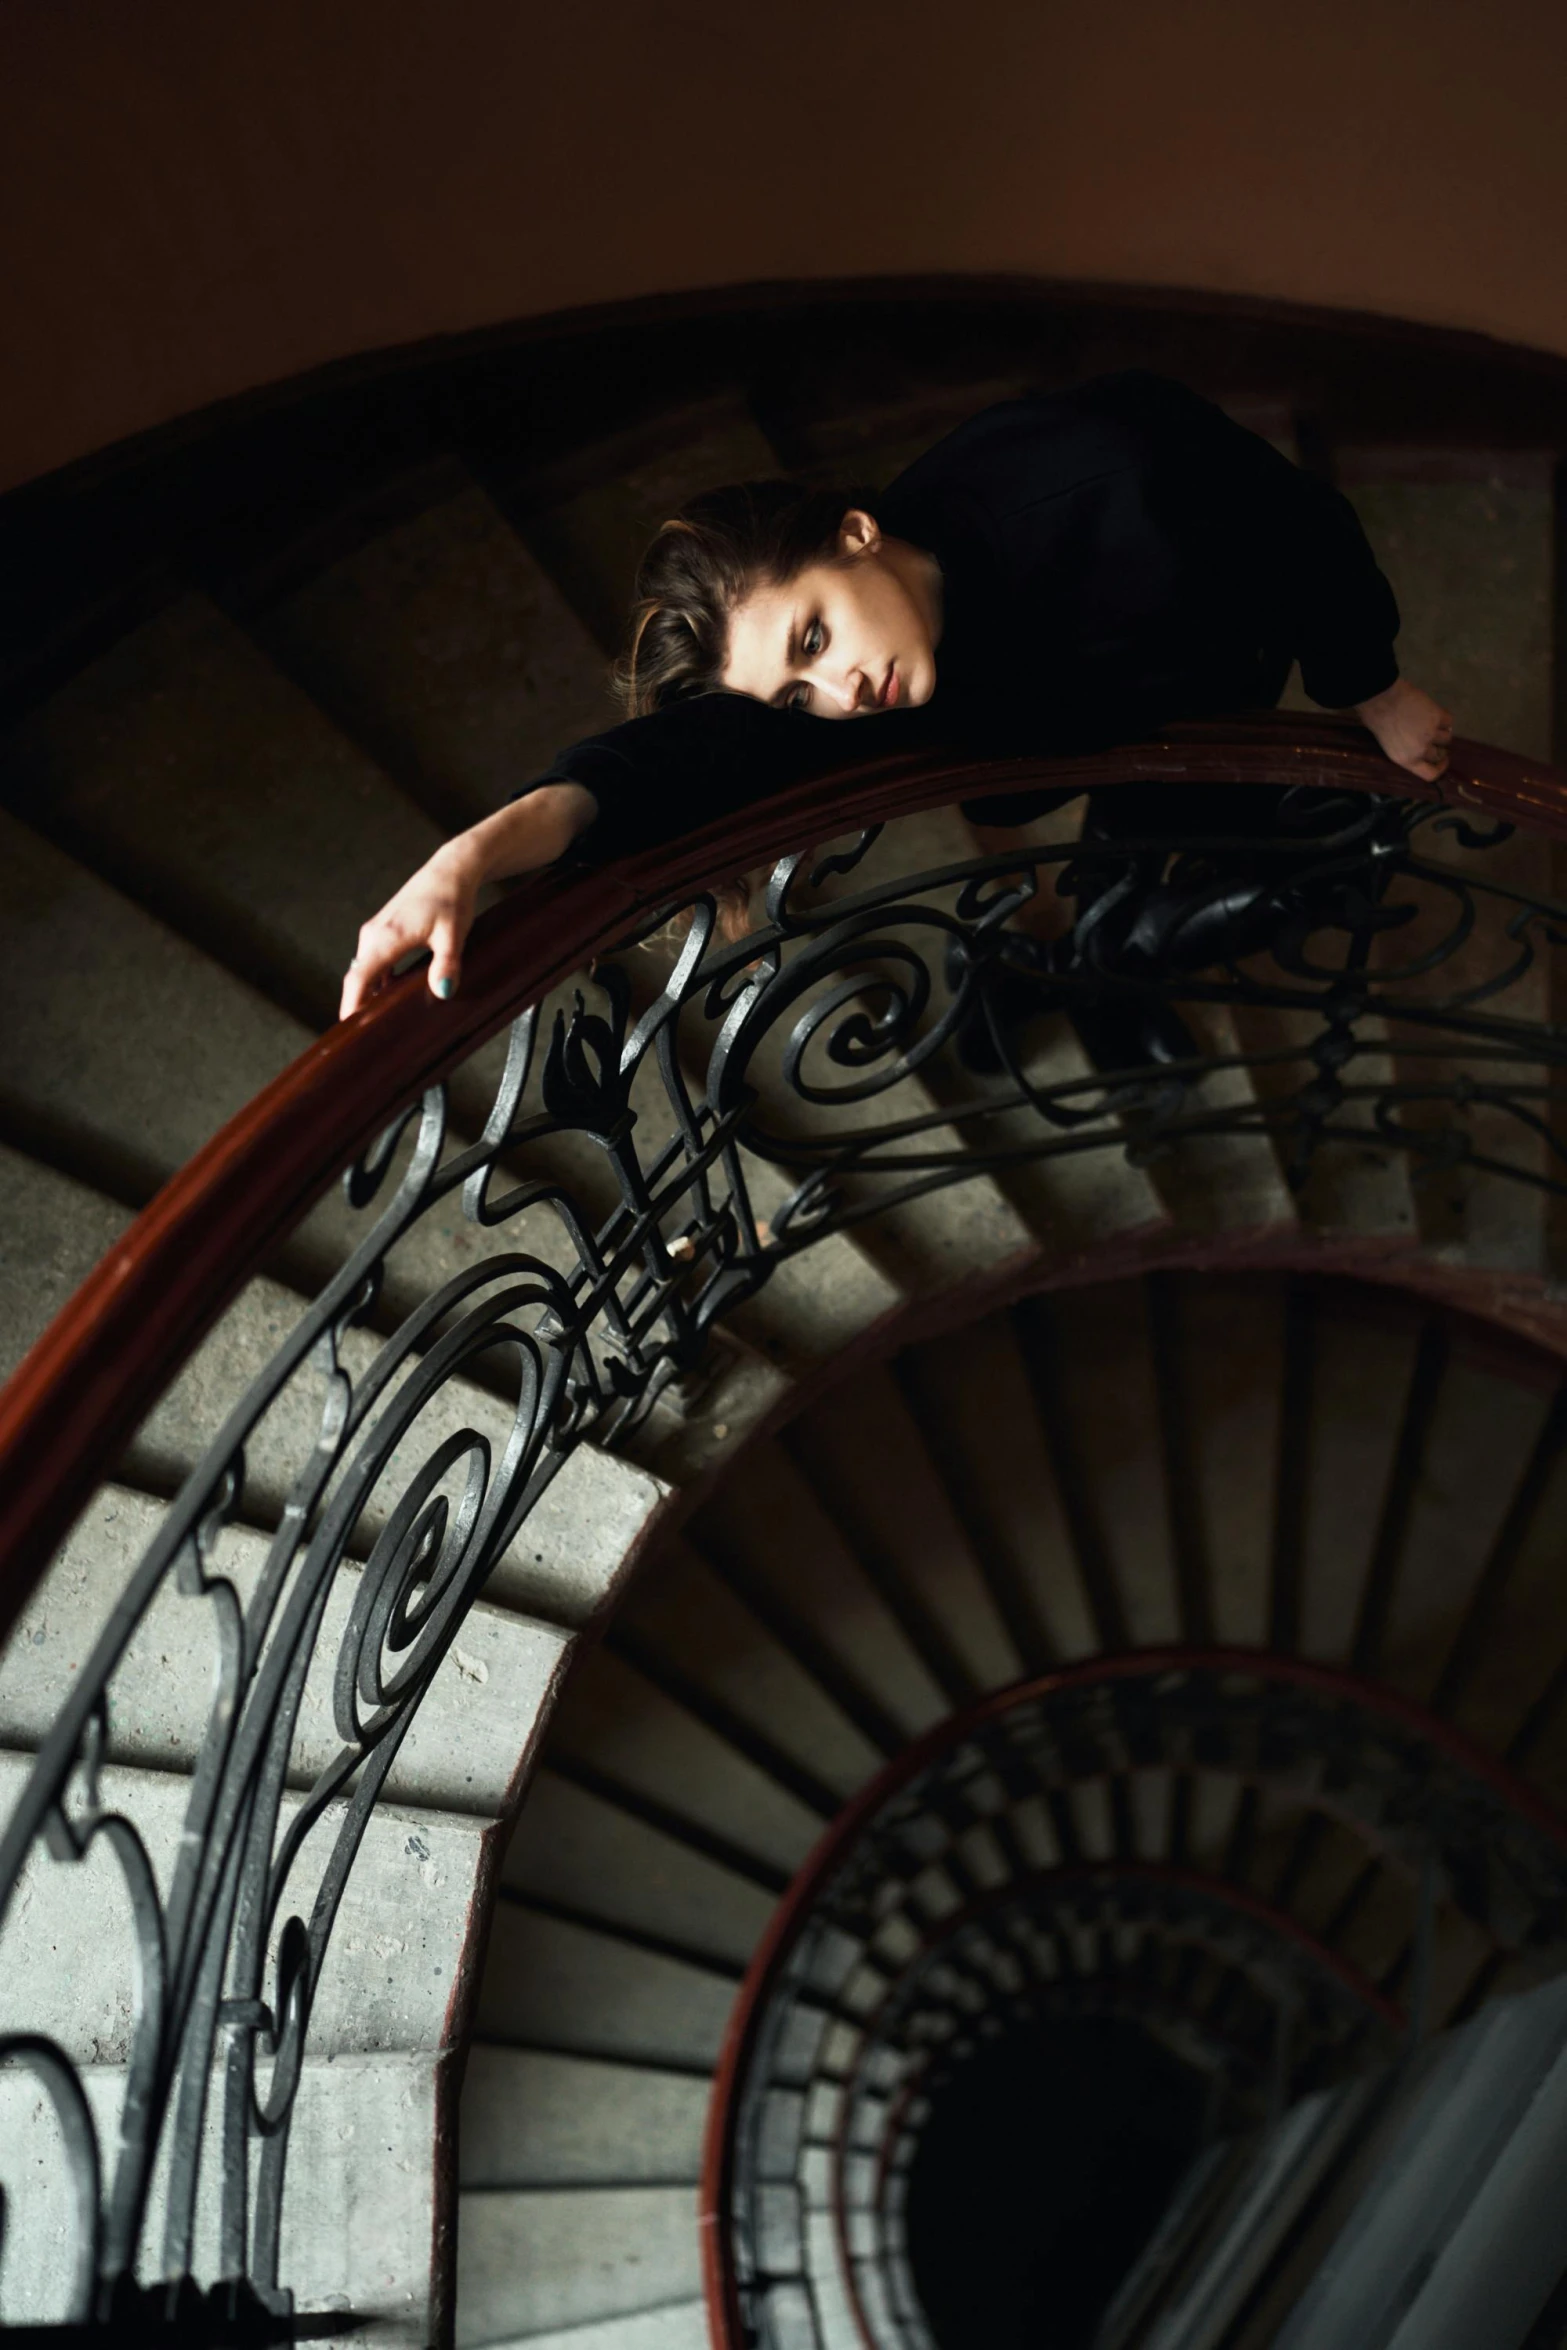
(74, 1402)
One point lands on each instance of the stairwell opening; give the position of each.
(1041, 2171)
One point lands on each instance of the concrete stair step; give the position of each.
(818, 1302)
(590, 519)
(1348, 1187)
(699, 1423)
(359, 2230)
(533, 2117)
(1080, 1200)
(865, 1459)
(1221, 1182)
(677, 2325)
(921, 1243)
(1112, 1426)
(569, 1550)
(52, 1233)
(442, 647)
(1365, 1364)
(575, 1543)
(684, 1628)
(100, 1061)
(1483, 1431)
(190, 772)
(1469, 551)
(552, 1983)
(104, 1075)
(616, 1721)
(578, 1849)
(971, 1399)
(781, 1552)
(530, 2261)
(392, 1973)
(465, 1752)
(1218, 1368)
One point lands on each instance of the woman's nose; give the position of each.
(847, 689)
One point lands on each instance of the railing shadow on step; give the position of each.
(392, 1451)
(949, 1907)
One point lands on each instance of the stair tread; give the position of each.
(52, 1233)
(947, 1234)
(536, 2117)
(569, 1550)
(590, 521)
(464, 1751)
(674, 2325)
(551, 1983)
(187, 767)
(791, 1552)
(613, 1718)
(535, 2261)
(394, 1964)
(574, 1847)
(691, 1621)
(96, 990)
(1471, 561)
(866, 1444)
(443, 647)
(356, 2235)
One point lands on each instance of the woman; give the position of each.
(1060, 573)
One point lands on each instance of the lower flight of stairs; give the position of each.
(1248, 1458)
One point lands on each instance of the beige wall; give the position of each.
(201, 196)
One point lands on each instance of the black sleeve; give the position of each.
(1339, 613)
(655, 779)
(1287, 547)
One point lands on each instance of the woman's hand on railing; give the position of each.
(1412, 727)
(435, 906)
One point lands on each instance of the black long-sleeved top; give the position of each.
(1112, 557)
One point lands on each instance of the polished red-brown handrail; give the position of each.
(720, 2283)
(74, 1402)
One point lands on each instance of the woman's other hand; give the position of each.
(1413, 729)
(435, 907)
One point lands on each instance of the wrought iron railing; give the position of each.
(954, 1902)
(424, 1431)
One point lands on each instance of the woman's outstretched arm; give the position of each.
(434, 908)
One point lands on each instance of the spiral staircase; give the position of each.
(976, 1437)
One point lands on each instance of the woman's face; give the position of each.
(850, 635)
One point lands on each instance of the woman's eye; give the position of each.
(813, 640)
(799, 699)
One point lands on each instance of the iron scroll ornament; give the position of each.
(786, 1048)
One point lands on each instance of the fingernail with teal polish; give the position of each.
(443, 988)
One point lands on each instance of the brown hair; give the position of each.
(704, 562)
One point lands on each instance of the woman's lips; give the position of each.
(889, 691)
